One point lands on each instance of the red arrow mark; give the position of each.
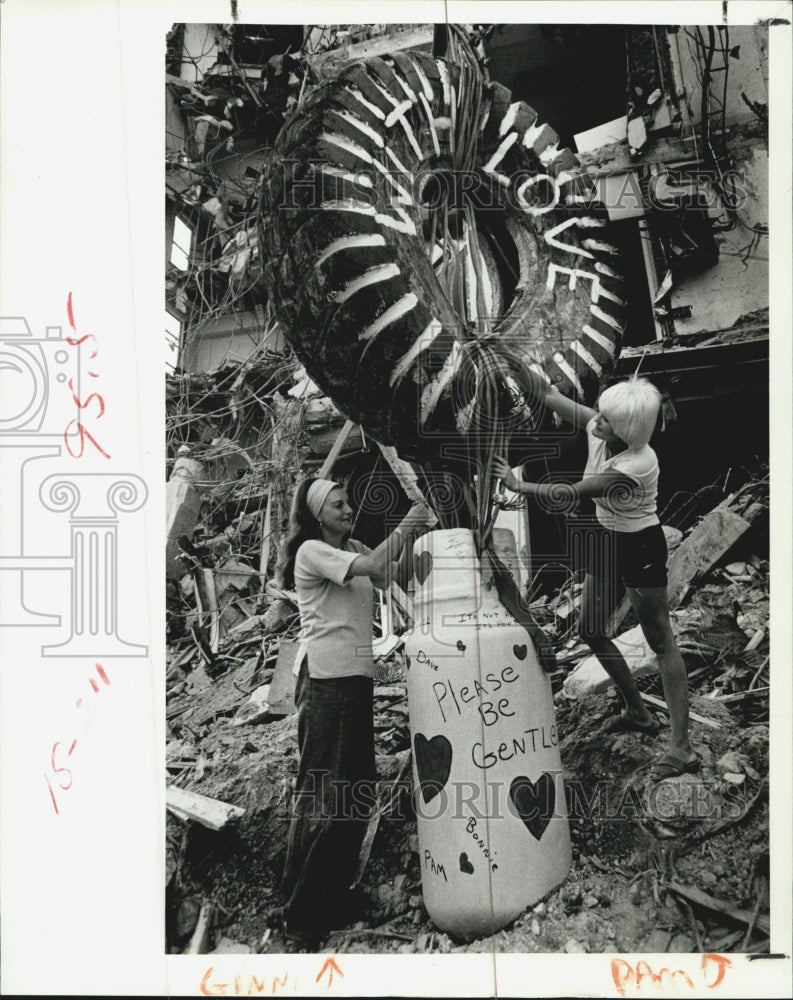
(331, 966)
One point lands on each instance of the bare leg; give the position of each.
(652, 608)
(597, 603)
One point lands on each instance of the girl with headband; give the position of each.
(335, 789)
(627, 542)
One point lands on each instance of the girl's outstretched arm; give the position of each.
(561, 494)
(574, 413)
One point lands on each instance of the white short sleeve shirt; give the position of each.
(335, 615)
(624, 509)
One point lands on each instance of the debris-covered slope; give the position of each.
(679, 866)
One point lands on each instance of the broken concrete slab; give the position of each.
(256, 708)
(182, 507)
(233, 573)
(589, 677)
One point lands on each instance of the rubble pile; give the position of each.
(236, 441)
(650, 873)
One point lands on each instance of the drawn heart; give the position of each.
(465, 864)
(534, 802)
(520, 651)
(422, 565)
(433, 763)
(461, 645)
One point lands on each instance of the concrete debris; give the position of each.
(589, 677)
(228, 947)
(232, 730)
(182, 507)
(255, 709)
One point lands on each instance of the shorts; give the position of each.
(637, 557)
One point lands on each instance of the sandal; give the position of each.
(671, 766)
(623, 724)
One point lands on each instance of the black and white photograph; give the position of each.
(468, 498)
(395, 567)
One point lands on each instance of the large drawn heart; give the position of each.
(534, 802)
(433, 763)
(422, 564)
(520, 651)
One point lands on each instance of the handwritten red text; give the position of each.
(94, 400)
(60, 777)
(642, 980)
(241, 985)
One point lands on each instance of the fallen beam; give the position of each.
(199, 942)
(386, 800)
(211, 813)
(327, 64)
(334, 452)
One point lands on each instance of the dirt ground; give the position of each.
(633, 877)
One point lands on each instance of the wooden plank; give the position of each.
(264, 556)
(660, 703)
(199, 942)
(694, 895)
(327, 64)
(738, 695)
(211, 813)
(386, 798)
(333, 454)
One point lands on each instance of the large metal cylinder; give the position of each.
(492, 822)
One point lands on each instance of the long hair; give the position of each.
(302, 526)
(631, 407)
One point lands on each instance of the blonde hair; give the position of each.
(631, 407)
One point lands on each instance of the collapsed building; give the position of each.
(659, 137)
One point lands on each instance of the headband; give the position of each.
(317, 495)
